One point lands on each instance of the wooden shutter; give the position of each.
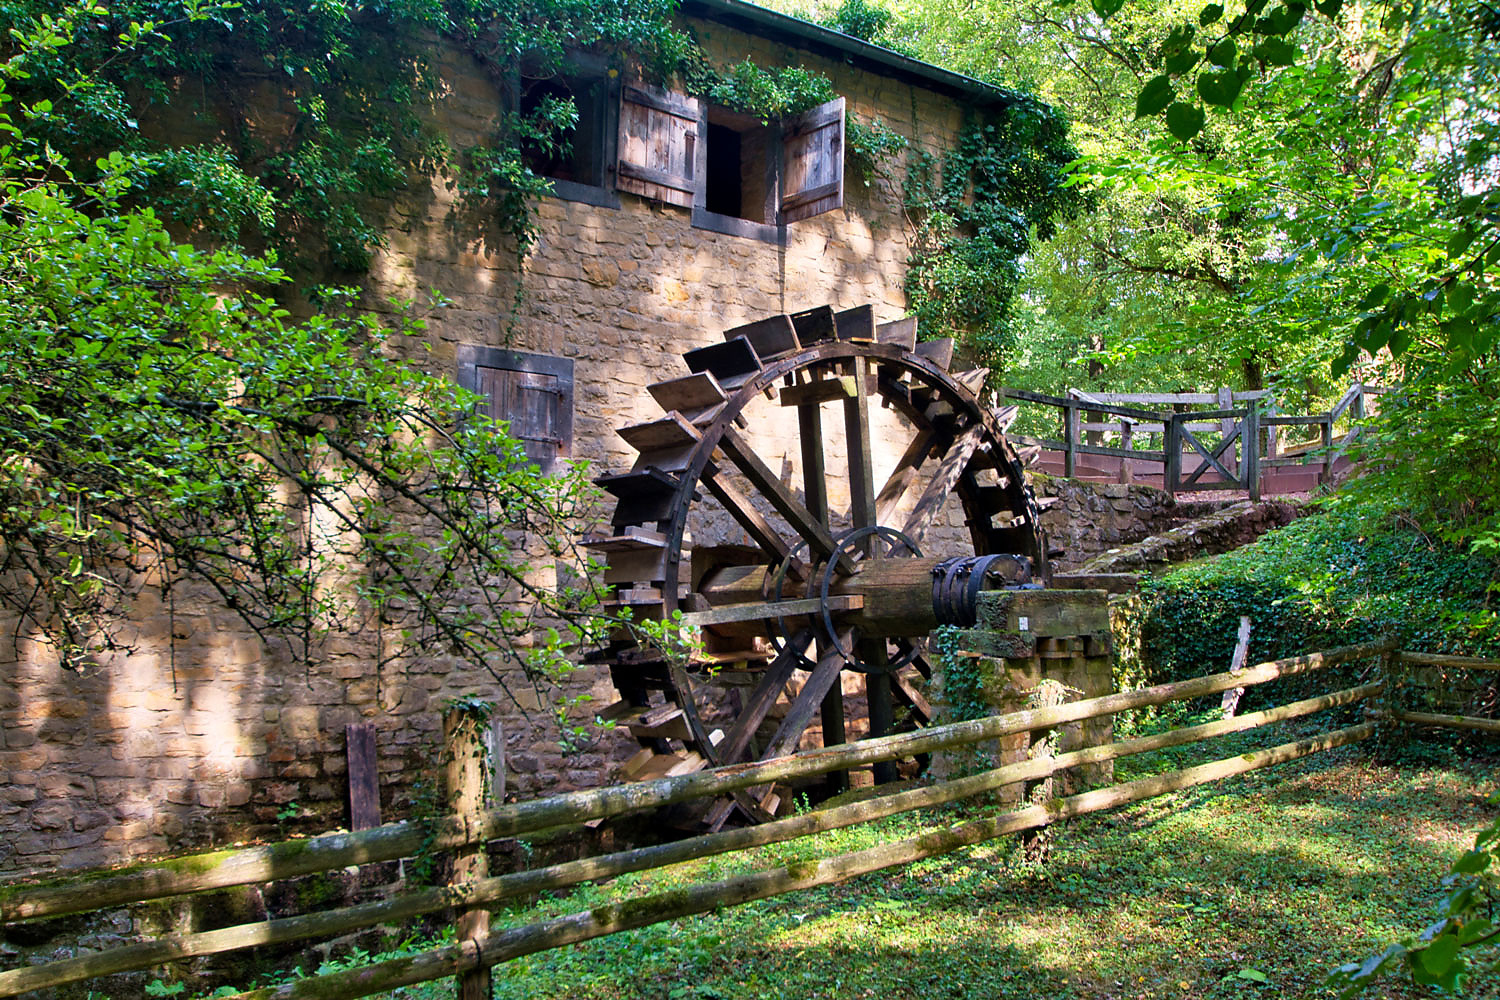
(533, 393)
(813, 162)
(658, 143)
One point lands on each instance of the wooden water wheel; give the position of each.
(797, 577)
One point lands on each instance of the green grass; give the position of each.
(1254, 887)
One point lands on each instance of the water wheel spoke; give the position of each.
(789, 733)
(781, 499)
(902, 477)
(737, 742)
(857, 434)
(760, 530)
(943, 480)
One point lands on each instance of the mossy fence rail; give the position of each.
(477, 949)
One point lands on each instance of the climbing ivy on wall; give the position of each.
(974, 212)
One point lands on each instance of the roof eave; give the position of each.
(836, 45)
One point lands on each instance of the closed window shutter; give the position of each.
(658, 143)
(813, 162)
(532, 393)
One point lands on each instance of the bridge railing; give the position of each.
(1222, 440)
(477, 948)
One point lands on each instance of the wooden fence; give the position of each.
(1203, 441)
(476, 950)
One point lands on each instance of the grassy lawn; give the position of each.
(1257, 886)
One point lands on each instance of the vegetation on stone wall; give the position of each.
(165, 425)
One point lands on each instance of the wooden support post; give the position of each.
(1172, 450)
(815, 489)
(1070, 438)
(1230, 702)
(364, 775)
(463, 773)
(1326, 427)
(1250, 449)
(1127, 432)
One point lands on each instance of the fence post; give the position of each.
(1326, 427)
(1172, 453)
(1127, 433)
(1070, 438)
(464, 740)
(1250, 448)
(1225, 397)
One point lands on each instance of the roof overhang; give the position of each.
(836, 45)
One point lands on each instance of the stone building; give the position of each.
(671, 221)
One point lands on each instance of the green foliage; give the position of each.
(769, 93)
(975, 212)
(1462, 947)
(1342, 576)
(166, 424)
(963, 676)
(869, 147)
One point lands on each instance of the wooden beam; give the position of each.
(758, 705)
(788, 506)
(755, 524)
(766, 610)
(364, 775)
(943, 481)
(789, 733)
(894, 490)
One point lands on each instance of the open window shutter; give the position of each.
(813, 157)
(658, 137)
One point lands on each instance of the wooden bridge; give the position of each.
(1191, 441)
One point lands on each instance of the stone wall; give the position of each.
(204, 734)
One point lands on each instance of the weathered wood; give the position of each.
(560, 876)
(753, 521)
(731, 362)
(902, 332)
(690, 395)
(1447, 660)
(1114, 583)
(942, 482)
(814, 325)
(463, 780)
(657, 138)
(615, 917)
(908, 691)
(364, 775)
(631, 539)
(771, 337)
(222, 869)
(1231, 699)
(813, 162)
(894, 491)
(768, 610)
(857, 324)
(823, 390)
(939, 352)
(788, 506)
(795, 722)
(758, 705)
(671, 431)
(1470, 723)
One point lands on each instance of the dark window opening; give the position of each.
(740, 163)
(573, 154)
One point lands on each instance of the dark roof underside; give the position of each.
(844, 48)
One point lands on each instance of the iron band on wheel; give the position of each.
(779, 581)
(845, 543)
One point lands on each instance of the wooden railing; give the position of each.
(1225, 447)
(475, 951)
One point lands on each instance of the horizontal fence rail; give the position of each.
(300, 857)
(469, 956)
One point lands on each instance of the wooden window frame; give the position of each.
(583, 68)
(472, 357)
(733, 225)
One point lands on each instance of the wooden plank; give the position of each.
(902, 332)
(902, 476)
(1447, 660)
(689, 395)
(364, 775)
(656, 147)
(823, 390)
(973, 379)
(939, 352)
(671, 431)
(737, 741)
(942, 482)
(767, 610)
(671, 726)
(646, 565)
(812, 158)
(909, 693)
(856, 324)
(732, 362)
(772, 336)
(631, 538)
(814, 326)
(1114, 583)
(1470, 723)
(795, 723)
(630, 485)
